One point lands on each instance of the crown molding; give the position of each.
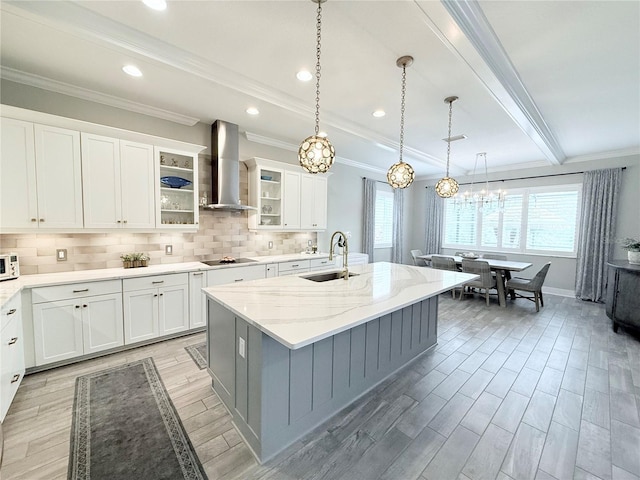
(477, 45)
(44, 83)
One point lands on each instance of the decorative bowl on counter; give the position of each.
(175, 182)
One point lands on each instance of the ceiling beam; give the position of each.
(480, 48)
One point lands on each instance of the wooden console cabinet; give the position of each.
(623, 301)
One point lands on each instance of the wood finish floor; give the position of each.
(506, 394)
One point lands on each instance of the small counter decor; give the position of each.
(632, 246)
(134, 260)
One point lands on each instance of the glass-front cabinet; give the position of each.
(177, 190)
(265, 193)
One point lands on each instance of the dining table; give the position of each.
(503, 269)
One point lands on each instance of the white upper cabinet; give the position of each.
(177, 189)
(286, 199)
(41, 177)
(118, 179)
(18, 196)
(313, 202)
(291, 209)
(59, 177)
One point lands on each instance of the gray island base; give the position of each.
(277, 390)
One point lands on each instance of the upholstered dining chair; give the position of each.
(418, 262)
(486, 280)
(441, 262)
(533, 286)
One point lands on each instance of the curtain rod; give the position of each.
(527, 178)
(379, 181)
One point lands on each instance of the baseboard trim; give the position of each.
(561, 292)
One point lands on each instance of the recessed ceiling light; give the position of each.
(156, 4)
(304, 75)
(379, 113)
(132, 70)
(252, 111)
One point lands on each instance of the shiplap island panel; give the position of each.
(287, 353)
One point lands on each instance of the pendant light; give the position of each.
(316, 154)
(447, 187)
(401, 174)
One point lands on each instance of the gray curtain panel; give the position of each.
(369, 217)
(398, 237)
(599, 207)
(434, 212)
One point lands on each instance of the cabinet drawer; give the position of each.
(322, 263)
(74, 290)
(298, 265)
(10, 310)
(155, 281)
(235, 274)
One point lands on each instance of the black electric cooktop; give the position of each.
(227, 261)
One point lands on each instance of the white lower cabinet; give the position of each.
(293, 267)
(271, 270)
(235, 274)
(321, 263)
(197, 300)
(155, 306)
(12, 365)
(76, 319)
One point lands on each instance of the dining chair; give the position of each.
(441, 262)
(486, 280)
(533, 286)
(418, 262)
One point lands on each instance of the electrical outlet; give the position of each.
(61, 254)
(241, 346)
(270, 244)
(168, 249)
(309, 242)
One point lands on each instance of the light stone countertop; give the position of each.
(9, 288)
(297, 312)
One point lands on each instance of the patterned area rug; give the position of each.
(199, 354)
(125, 427)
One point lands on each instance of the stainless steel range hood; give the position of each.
(226, 167)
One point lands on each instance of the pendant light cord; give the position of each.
(449, 136)
(318, 38)
(402, 104)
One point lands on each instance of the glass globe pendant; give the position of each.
(316, 154)
(401, 174)
(447, 187)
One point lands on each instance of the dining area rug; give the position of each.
(199, 354)
(125, 426)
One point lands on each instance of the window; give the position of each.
(533, 220)
(384, 219)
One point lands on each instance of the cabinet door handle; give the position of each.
(161, 294)
(80, 291)
(157, 281)
(84, 306)
(15, 378)
(295, 266)
(42, 219)
(117, 221)
(198, 274)
(77, 306)
(12, 341)
(155, 294)
(34, 219)
(125, 221)
(238, 279)
(12, 311)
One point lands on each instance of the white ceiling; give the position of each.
(540, 82)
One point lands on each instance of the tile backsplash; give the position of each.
(220, 233)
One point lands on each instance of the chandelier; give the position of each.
(316, 154)
(447, 187)
(401, 174)
(485, 199)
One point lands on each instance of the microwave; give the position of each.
(9, 266)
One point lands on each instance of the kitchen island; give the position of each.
(287, 353)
